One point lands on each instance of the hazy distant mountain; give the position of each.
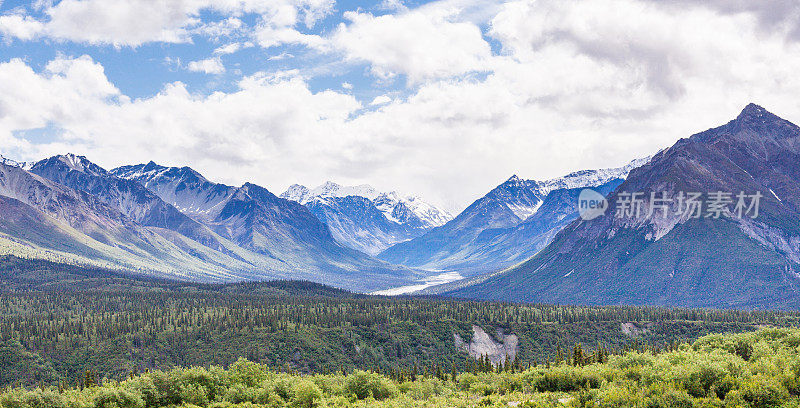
(67, 209)
(363, 218)
(280, 230)
(678, 259)
(47, 220)
(506, 226)
(127, 196)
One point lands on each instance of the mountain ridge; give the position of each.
(492, 232)
(261, 222)
(670, 257)
(363, 218)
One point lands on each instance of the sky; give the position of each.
(442, 99)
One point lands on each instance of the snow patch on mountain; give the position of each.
(392, 204)
(14, 163)
(183, 188)
(591, 178)
(578, 179)
(524, 211)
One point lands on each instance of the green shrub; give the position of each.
(724, 386)
(364, 384)
(482, 388)
(763, 392)
(671, 398)
(283, 387)
(247, 373)
(32, 399)
(565, 379)
(263, 396)
(466, 380)
(168, 390)
(195, 394)
(614, 396)
(193, 382)
(509, 383)
(633, 359)
(423, 388)
(743, 349)
(146, 388)
(702, 378)
(306, 394)
(117, 398)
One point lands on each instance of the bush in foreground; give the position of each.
(751, 370)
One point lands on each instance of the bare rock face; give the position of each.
(484, 345)
(631, 329)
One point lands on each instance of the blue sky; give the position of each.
(445, 99)
(142, 70)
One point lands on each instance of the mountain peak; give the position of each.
(14, 163)
(295, 192)
(756, 117)
(752, 111)
(152, 165)
(74, 162)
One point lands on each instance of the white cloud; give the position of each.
(208, 66)
(136, 22)
(268, 35)
(396, 5)
(578, 84)
(20, 26)
(232, 48)
(424, 43)
(271, 125)
(380, 100)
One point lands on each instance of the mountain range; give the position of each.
(523, 241)
(365, 219)
(172, 222)
(506, 226)
(722, 255)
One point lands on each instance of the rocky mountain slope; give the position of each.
(506, 226)
(735, 251)
(363, 218)
(67, 209)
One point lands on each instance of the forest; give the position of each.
(59, 323)
(759, 369)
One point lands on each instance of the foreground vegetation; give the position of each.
(47, 337)
(757, 369)
(62, 325)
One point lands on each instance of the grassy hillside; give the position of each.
(33, 275)
(751, 370)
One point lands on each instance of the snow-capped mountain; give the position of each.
(127, 196)
(591, 178)
(366, 219)
(506, 226)
(303, 194)
(285, 235)
(47, 220)
(672, 256)
(14, 163)
(396, 207)
(68, 209)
